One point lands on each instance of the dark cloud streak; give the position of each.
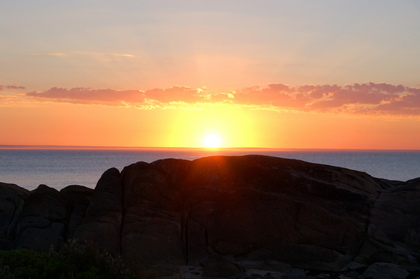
(2, 87)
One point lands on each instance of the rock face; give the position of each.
(12, 199)
(227, 214)
(102, 219)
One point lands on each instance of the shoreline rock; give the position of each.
(227, 215)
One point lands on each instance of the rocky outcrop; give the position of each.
(12, 199)
(228, 216)
(42, 220)
(102, 219)
(152, 228)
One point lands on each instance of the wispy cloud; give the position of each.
(91, 96)
(11, 95)
(110, 56)
(49, 54)
(155, 97)
(366, 98)
(2, 87)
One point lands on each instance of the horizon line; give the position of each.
(89, 147)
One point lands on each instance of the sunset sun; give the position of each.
(212, 141)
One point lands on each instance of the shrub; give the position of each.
(73, 261)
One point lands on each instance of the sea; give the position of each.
(59, 167)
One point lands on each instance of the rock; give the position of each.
(394, 227)
(190, 272)
(264, 214)
(385, 270)
(152, 228)
(355, 266)
(43, 219)
(244, 204)
(276, 266)
(103, 220)
(79, 197)
(351, 274)
(12, 199)
(296, 274)
(217, 266)
(396, 215)
(354, 270)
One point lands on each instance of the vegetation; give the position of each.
(73, 261)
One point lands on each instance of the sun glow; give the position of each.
(229, 126)
(212, 141)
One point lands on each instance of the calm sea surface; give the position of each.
(59, 168)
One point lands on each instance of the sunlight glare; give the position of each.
(212, 141)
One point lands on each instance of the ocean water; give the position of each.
(59, 168)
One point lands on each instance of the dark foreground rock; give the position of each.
(247, 216)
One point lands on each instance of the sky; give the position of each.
(339, 74)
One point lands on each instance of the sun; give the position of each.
(212, 141)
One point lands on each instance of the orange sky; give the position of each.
(184, 125)
(266, 73)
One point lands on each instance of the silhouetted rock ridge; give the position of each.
(228, 215)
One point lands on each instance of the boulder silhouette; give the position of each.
(227, 214)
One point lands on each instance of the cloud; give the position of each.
(274, 95)
(107, 56)
(2, 87)
(175, 94)
(50, 54)
(158, 97)
(91, 96)
(408, 104)
(368, 94)
(366, 98)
